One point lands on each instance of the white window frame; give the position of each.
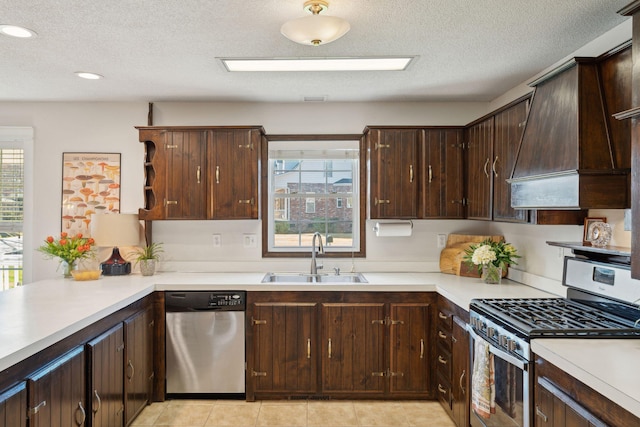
(22, 137)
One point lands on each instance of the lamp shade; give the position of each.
(316, 29)
(110, 230)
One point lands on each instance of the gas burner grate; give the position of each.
(558, 316)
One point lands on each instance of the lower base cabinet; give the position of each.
(138, 381)
(562, 401)
(339, 344)
(57, 393)
(13, 406)
(106, 375)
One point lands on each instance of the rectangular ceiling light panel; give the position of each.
(317, 64)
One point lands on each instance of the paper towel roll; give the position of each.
(393, 229)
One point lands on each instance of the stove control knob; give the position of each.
(512, 345)
(504, 341)
(490, 332)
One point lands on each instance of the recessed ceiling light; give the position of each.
(89, 76)
(386, 63)
(15, 31)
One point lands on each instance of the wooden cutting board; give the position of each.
(451, 257)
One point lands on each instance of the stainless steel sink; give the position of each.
(313, 278)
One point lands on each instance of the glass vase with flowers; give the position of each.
(68, 250)
(491, 258)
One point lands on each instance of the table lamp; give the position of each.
(115, 230)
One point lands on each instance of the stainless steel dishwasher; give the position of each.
(205, 343)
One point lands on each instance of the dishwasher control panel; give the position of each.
(227, 300)
(205, 300)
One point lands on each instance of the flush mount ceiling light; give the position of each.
(15, 31)
(316, 29)
(88, 76)
(383, 63)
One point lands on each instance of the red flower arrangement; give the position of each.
(68, 248)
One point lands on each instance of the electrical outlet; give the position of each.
(442, 240)
(217, 240)
(249, 241)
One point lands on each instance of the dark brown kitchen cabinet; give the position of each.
(57, 393)
(105, 360)
(13, 406)
(479, 173)
(442, 173)
(353, 348)
(562, 401)
(138, 335)
(233, 159)
(284, 356)
(508, 128)
(393, 172)
(198, 172)
(410, 368)
(452, 361)
(339, 345)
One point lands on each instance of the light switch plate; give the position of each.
(442, 240)
(217, 240)
(249, 241)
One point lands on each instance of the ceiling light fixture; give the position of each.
(383, 63)
(15, 31)
(316, 29)
(88, 76)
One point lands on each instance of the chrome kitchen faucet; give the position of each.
(314, 267)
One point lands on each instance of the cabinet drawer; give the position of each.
(443, 390)
(443, 362)
(445, 320)
(444, 338)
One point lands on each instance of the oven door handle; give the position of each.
(516, 361)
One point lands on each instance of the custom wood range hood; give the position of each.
(573, 153)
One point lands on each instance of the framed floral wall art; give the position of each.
(90, 185)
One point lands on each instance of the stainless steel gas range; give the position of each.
(601, 302)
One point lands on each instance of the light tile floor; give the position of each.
(292, 413)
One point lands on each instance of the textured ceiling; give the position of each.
(167, 50)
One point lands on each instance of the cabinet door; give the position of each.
(410, 348)
(13, 406)
(106, 373)
(460, 372)
(555, 408)
(479, 175)
(138, 335)
(284, 347)
(353, 350)
(442, 174)
(233, 174)
(185, 174)
(394, 173)
(509, 125)
(57, 392)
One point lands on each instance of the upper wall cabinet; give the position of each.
(393, 172)
(415, 172)
(201, 172)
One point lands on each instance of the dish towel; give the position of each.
(483, 390)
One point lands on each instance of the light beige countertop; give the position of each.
(608, 366)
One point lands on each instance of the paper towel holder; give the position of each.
(378, 225)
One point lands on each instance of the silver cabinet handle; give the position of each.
(462, 388)
(442, 335)
(430, 174)
(95, 393)
(485, 168)
(442, 360)
(217, 174)
(541, 414)
(82, 412)
(133, 370)
(198, 174)
(410, 173)
(493, 167)
(308, 348)
(329, 348)
(422, 348)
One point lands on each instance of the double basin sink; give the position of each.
(313, 278)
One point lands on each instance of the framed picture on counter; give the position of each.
(587, 237)
(90, 185)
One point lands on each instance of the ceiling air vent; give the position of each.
(322, 98)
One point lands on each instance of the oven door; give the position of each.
(510, 377)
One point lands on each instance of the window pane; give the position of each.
(310, 195)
